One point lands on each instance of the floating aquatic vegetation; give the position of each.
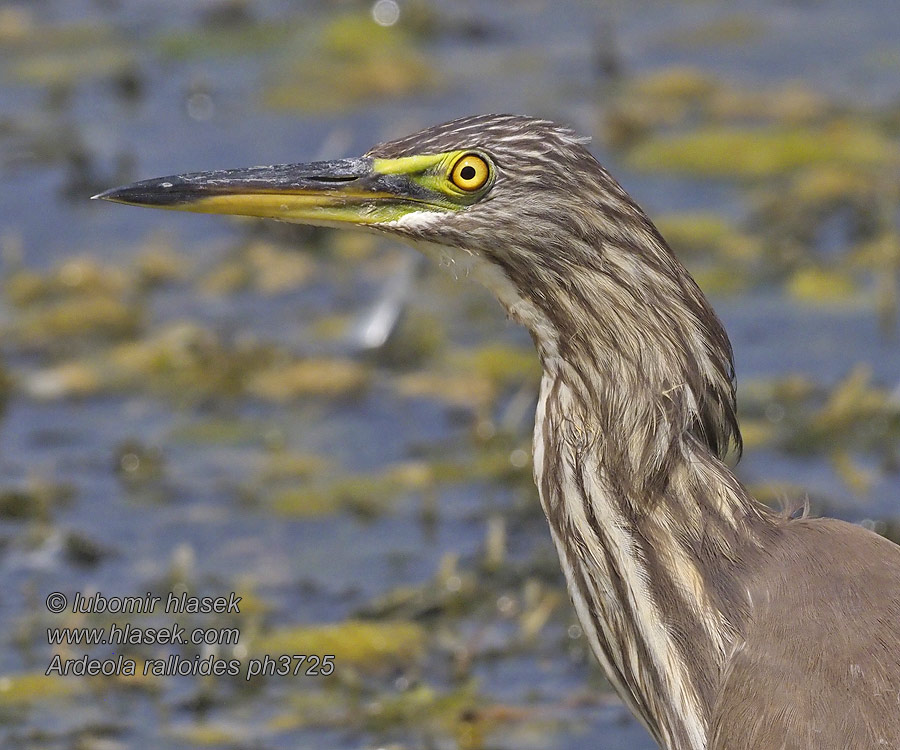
(22, 32)
(680, 83)
(346, 61)
(74, 277)
(828, 185)
(417, 338)
(456, 390)
(281, 464)
(855, 413)
(855, 476)
(727, 30)
(290, 379)
(834, 164)
(687, 97)
(62, 56)
(182, 360)
(36, 500)
(262, 266)
(277, 269)
(7, 384)
(225, 41)
(661, 99)
(881, 256)
(765, 152)
(30, 688)
(502, 458)
(789, 104)
(501, 364)
(225, 278)
(422, 706)
(306, 708)
(138, 465)
(73, 67)
(782, 496)
(208, 734)
(95, 317)
(157, 264)
(708, 234)
(16, 24)
(757, 433)
(82, 550)
(223, 430)
(823, 286)
(366, 495)
(68, 380)
(354, 643)
(451, 593)
(856, 423)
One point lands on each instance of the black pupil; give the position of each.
(467, 172)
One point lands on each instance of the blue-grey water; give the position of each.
(200, 521)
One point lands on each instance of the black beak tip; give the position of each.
(166, 192)
(106, 195)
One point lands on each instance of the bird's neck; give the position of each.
(652, 528)
(652, 575)
(636, 415)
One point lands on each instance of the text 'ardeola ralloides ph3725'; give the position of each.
(722, 624)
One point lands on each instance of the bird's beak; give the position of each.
(363, 191)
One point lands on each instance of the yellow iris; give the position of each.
(470, 173)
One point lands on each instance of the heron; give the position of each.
(721, 623)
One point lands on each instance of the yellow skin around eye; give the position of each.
(470, 172)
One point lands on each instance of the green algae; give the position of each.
(157, 264)
(346, 61)
(855, 412)
(95, 316)
(502, 459)
(70, 68)
(34, 501)
(207, 734)
(313, 708)
(763, 152)
(854, 420)
(222, 431)
(823, 286)
(72, 278)
(726, 31)
(466, 391)
(683, 99)
(259, 266)
(366, 495)
(353, 643)
(35, 688)
(500, 364)
(225, 41)
(423, 705)
(708, 234)
(681, 83)
(288, 380)
(184, 360)
(282, 464)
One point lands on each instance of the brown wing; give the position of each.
(819, 668)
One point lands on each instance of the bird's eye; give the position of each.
(470, 173)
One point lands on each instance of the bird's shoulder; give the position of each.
(818, 663)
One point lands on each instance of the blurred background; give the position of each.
(340, 433)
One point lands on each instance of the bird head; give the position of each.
(478, 184)
(514, 198)
(536, 218)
